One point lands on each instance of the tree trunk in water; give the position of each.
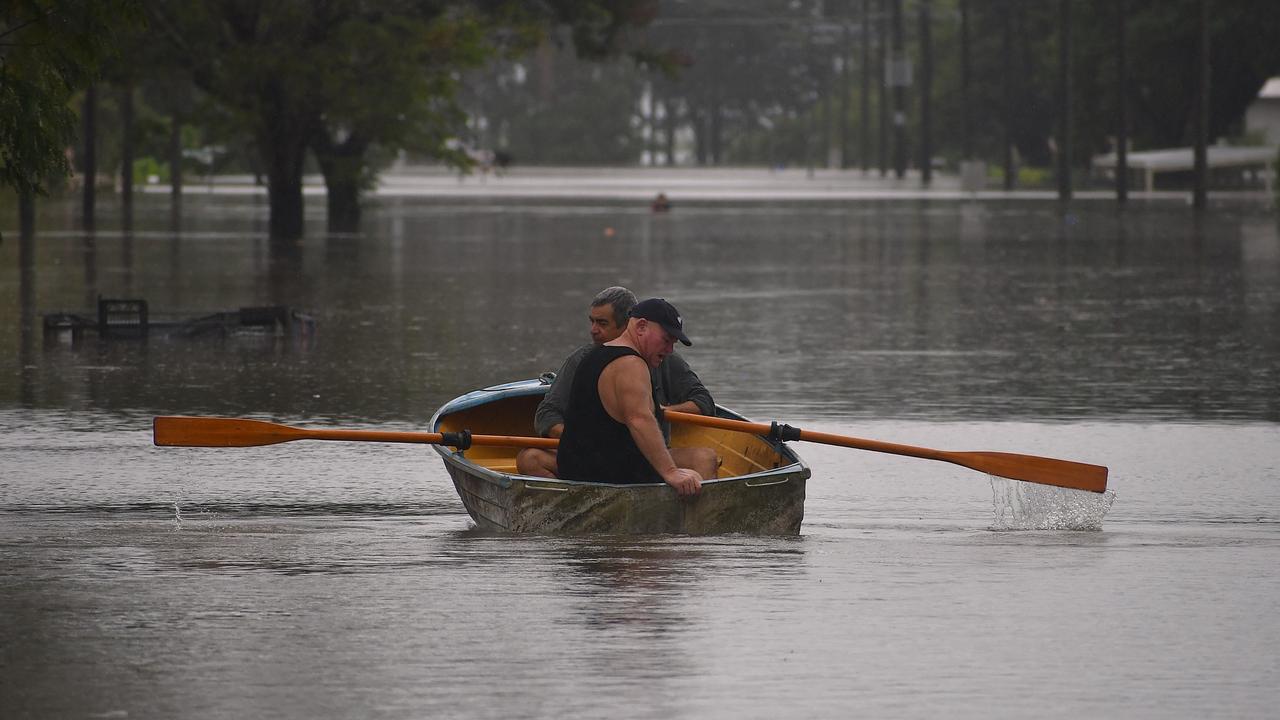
(89, 159)
(26, 216)
(344, 202)
(284, 192)
(343, 167)
(26, 297)
(175, 161)
(126, 155)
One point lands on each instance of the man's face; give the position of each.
(603, 326)
(655, 342)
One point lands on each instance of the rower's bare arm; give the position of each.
(633, 398)
(688, 406)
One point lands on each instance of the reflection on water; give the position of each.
(342, 579)
(932, 310)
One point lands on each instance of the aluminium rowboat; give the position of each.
(759, 488)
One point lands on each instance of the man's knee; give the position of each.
(708, 462)
(527, 461)
(702, 459)
(539, 463)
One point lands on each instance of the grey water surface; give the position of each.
(345, 580)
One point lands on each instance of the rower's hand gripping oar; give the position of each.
(239, 432)
(1028, 468)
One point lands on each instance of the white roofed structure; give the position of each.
(1258, 159)
(1263, 115)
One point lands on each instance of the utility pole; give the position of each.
(1007, 64)
(1199, 199)
(651, 139)
(899, 95)
(1122, 107)
(846, 67)
(926, 89)
(966, 122)
(864, 130)
(1064, 100)
(669, 117)
(884, 83)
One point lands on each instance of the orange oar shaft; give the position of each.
(1028, 468)
(184, 431)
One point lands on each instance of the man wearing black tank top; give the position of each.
(610, 432)
(675, 386)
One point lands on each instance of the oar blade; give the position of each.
(180, 431)
(1036, 469)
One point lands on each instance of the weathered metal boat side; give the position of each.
(760, 489)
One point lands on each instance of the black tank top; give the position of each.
(594, 447)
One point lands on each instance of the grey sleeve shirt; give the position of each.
(673, 382)
(552, 408)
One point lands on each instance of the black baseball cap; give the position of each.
(664, 313)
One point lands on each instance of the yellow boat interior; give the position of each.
(740, 453)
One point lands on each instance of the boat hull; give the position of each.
(767, 501)
(759, 506)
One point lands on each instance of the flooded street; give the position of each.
(345, 579)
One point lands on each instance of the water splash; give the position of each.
(198, 515)
(1031, 506)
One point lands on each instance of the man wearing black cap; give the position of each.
(675, 386)
(610, 432)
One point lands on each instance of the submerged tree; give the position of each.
(342, 77)
(49, 50)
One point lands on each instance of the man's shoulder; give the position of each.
(624, 357)
(627, 371)
(581, 351)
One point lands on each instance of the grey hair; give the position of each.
(620, 298)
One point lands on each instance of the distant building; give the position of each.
(1263, 115)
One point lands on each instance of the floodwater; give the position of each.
(338, 580)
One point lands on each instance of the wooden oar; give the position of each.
(239, 432)
(1028, 468)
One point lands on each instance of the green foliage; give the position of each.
(767, 67)
(49, 49)
(554, 109)
(748, 66)
(1025, 176)
(345, 84)
(344, 77)
(146, 167)
(1161, 57)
